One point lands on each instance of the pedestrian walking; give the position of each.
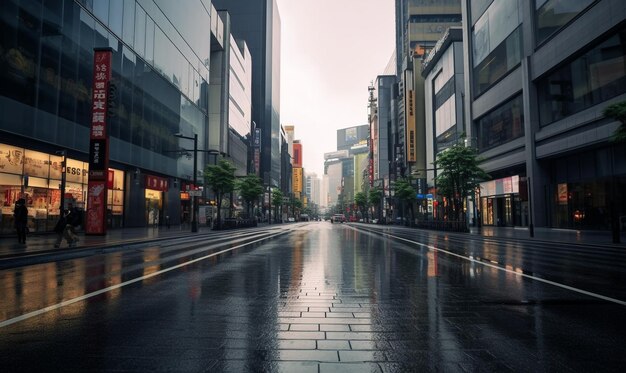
(65, 227)
(20, 215)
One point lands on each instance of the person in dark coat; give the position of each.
(20, 214)
(65, 227)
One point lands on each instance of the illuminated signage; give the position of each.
(297, 180)
(99, 143)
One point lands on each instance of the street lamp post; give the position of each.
(62, 186)
(194, 201)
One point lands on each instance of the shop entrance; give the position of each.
(154, 207)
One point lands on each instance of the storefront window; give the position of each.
(154, 205)
(36, 177)
(115, 198)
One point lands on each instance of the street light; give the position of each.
(194, 222)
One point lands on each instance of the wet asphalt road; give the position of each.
(318, 297)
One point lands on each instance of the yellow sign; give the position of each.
(410, 126)
(296, 180)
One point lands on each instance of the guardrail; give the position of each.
(233, 223)
(440, 225)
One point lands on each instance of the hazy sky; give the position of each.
(330, 51)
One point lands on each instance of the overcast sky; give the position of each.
(330, 51)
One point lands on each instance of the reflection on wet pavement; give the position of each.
(322, 298)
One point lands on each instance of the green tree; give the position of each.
(250, 188)
(458, 175)
(618, 112)
(360, 199)
(374, 197)
(221, 178)
(296, 205)
(277, 201)
(406, 194)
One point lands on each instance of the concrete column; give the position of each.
(538, 174)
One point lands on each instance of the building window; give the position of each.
(501, 125)
(435, 18)
(596, 76)
(496, 43)
(552, 15)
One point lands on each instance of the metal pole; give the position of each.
(194, 222)
(531, 228)
(63, 162)
(269, 216)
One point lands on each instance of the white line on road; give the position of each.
(563, 286)
(101, 291)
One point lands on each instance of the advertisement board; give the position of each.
(99, 143)
(297, 180)
(297, 155)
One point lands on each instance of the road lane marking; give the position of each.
(107, 289)
(471, 259)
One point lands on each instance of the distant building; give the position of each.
(258, 23)
(444, 91)
(348, 137)
(419, 25)
(313, 184)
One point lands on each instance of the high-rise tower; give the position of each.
(258, 23)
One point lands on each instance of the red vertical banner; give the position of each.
(99, 143)
(297, 155)
(96, 211)
(110, 179)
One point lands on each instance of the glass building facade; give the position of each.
(160, 69)
(497, 43)
(598, 74)
(258, 23)
(541, 118)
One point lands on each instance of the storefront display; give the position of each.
(500, 202)
(154, 205)
(155, 186)
(36, 176)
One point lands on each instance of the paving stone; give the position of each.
(304, 327)
(333, 345)
(301, 335)
(350, 335)
(349, 368)
(296, 344)
(307, 355)
(334, 328)
(313, 314)
(361, 356)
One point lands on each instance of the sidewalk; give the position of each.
(45, 242)
(551, 234)
(38, 243)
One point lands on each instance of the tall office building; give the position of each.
(160, 67)
(539, 75)
(313, 185)
(258, 23)
(419, 25)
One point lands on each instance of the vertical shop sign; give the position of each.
(297, 155)
(257, 151)
(410, 126)
(99, 144)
